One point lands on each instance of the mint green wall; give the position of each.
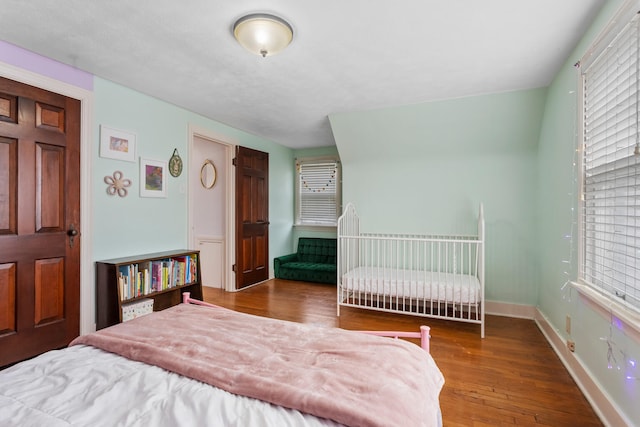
(556, 203)
(423, 167)
(132, 225)
(303, 231)
(427, 167)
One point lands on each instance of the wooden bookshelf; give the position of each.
(126, 280)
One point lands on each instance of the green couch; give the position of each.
(314, 261)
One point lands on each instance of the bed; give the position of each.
(439, 276)
(200, 365)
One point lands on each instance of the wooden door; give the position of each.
(39, 219)
(252, 216)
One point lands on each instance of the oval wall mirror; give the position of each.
(208, 174)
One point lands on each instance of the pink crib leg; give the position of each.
(186, 299)
(424, 338)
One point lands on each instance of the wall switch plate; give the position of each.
(568, 324)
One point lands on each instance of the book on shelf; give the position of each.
(139, 279)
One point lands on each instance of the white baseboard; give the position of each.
(604, 407)
(497, 308)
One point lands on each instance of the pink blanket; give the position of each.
(352, 378)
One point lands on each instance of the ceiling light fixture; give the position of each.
(263, 34)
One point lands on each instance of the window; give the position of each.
(610, 211)
(317, 191)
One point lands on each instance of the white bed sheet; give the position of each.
(416, 284)
(85, 386)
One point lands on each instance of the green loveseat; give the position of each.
(314, 261)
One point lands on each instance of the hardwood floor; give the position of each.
(511, 377)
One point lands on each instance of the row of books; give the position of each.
(135, 280)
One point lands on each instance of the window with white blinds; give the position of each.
(610, 211)
(317, 191)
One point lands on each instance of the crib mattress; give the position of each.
(415, 284)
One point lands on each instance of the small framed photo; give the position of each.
(117, 144)
(153, 178)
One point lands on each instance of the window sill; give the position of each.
(316, 227)
(607, 308)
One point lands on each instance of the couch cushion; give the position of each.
(309, 272)
(314, 261)
(317, 250)
(312, 266)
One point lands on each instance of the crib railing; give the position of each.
(442, 254)
(431, 275)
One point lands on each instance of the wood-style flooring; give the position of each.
(511, 377)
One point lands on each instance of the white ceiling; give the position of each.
(347, 55)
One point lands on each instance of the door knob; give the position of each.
(72, 233)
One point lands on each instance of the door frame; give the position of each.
(87, 290)
(229, 145)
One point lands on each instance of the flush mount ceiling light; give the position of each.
(263, 34)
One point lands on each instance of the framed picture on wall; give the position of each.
(117, 144)
(153, 178)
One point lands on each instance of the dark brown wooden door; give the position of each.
(252, 216)
(39, 211)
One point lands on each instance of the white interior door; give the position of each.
(209, 208)
(212, 261)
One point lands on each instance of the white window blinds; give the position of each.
(611, 165)
(318, 191)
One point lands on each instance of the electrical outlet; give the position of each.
(568, 324)
(571, 345)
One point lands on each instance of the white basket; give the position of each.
(137, 309)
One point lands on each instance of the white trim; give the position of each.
(87, 288)
(607, 307)
(297, 196)
(309, 227)
(229, 144)
(521, 311)
(599, 302)
(218, 263)
(621, 18)
(601, 403)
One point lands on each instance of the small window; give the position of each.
(318, 191)
(610, 210)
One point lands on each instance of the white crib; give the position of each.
(440, 276)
